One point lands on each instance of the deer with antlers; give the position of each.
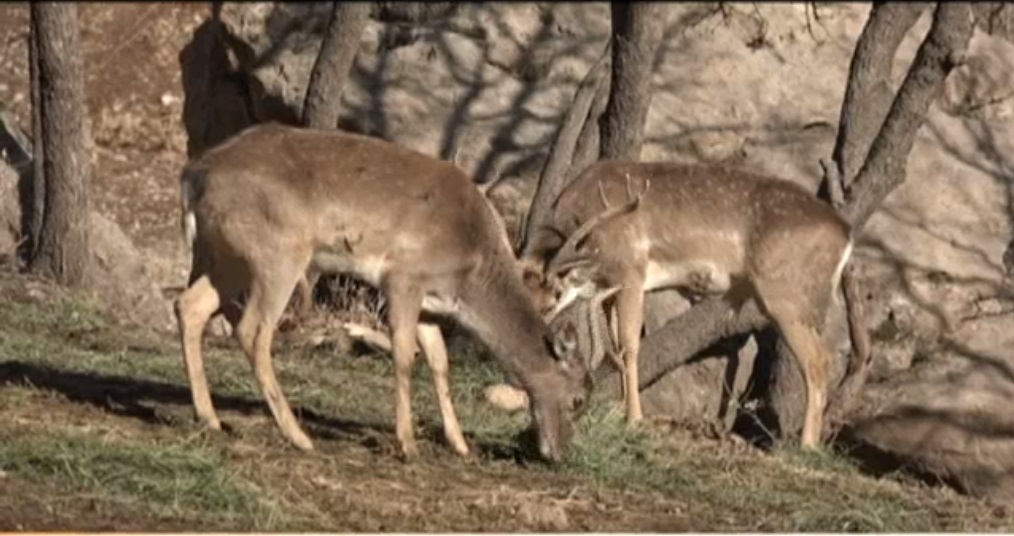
(262, 207)
(706, 230)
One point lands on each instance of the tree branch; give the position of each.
(869, 83)
(559, 166)
(884, 170)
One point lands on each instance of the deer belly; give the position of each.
(368, 268)
(699, 277)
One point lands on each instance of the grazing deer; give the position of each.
(261, 208)
(584, 316)
(702, 229)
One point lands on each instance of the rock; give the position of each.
(10, 211)
(506, 397)
(117, 274)
(948, 415)
(983, 87)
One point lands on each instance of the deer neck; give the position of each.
(499, 312)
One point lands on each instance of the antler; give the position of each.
(569, 256)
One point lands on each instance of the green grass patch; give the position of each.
(168, 480)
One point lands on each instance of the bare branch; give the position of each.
(558, 169)
(858, 369)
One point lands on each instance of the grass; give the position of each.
(167, 480)
(84, 412)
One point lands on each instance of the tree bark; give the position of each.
(637, 30)
(559, 168)
(334, 63)
(61, 235)
(35, 184)
(884, 169)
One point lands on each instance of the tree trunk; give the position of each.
(334, 63)
(637, 30)
(883, 170)
(869, 83)
(61, 173)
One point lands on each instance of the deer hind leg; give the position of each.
(404, 305)
(269, 294)
(630, 317)
(803, 339)
(194, 308)
(432, 343)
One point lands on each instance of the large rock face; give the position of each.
(759, 88)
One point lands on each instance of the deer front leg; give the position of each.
(630, 317)
(404, 304)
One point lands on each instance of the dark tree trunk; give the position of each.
(60, 236)
(334, 63)
(883, 170)
(637, 30)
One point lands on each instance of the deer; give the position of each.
(273, 201)
(706, 230)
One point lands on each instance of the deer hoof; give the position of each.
(409, 451)
(302, 442)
